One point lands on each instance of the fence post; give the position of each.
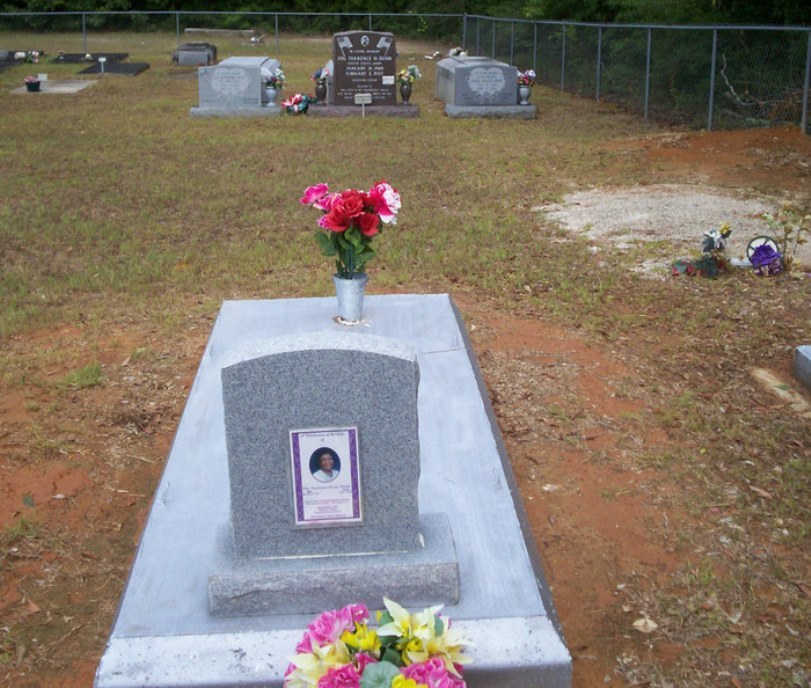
(599, 61)
(535, 47)
(177, 28)
(276, 24)
(563, 60)
(804, 123)
(478, 36)
(370, 22)
(512, 42)
(647, 74)
(84, 31)
(711, 106)
(464, 31)
(493, 47)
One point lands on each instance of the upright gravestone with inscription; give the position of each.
(323, 455)
(365, 68)
(235, 86)
(479, 87)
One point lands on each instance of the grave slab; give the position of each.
(802, 365)
(164, 634)
(58, 86)
(404, 111)
(117, 68)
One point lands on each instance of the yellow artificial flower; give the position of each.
(401, 681)
(364, 639)
(311, 666)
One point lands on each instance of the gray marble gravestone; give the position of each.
(479, 87)
(195, 55)
(235, 87)
(357, 398)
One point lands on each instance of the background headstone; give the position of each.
(365, 64)
(476, 81)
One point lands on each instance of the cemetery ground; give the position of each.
(666, 488)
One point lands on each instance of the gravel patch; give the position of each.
(676, 213)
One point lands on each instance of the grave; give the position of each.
(60, 86)
(195, 55)
(235, 88)
(363, 81)
(802, 365)
(479, 87)
(88, 58)
(165, 633)
(116, 67)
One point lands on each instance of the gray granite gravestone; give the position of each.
(479, 87)
(802, 364)
(195, 55)
(235, 87)
(365, 64)
(354, 398)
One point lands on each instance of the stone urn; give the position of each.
(270, 96)
(524, 92)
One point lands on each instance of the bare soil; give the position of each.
(74, 498)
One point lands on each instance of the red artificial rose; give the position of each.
(368, 223)
(352, 202)
(335, 220)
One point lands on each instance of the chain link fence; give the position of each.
(726, 77)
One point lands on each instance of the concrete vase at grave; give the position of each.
(365, 65)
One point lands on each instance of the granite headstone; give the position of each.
(365, 65)
(352, 399)
(235, 86)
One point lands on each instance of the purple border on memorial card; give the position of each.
(353, 458)
(294, 441)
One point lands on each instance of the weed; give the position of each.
(83, 378)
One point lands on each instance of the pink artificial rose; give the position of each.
(342, 677)
(328, 627)
(368, 224)
(385, 201)
(359, 612)
(433, 674)
(325, 202)
(364, 659)
(313, 193)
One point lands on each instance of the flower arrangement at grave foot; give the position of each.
(350, 220)
(339, 649)
(409, 75)
(298, 103)
(32, 56)
(714, 258)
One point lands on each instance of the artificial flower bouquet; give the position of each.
(526, 78)
(320, 75)
(409, 74)
(297, 104)
(339, 649)
(276, 79)
(350, 220)
(714, 258)
(31, 79)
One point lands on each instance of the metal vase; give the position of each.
(320, 91)
(405, 92)
(350, 294)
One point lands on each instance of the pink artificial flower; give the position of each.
(314, 193)
(359, 612)
(328, 627)
(385, 201)
(433, 674)
(363, 660)
(334, 221)
(325, 202)
(345, 676)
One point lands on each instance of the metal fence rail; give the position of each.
(726, 77)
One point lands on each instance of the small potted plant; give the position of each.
(32, 83)
(405, 78)
(273, 84)
(526, 80)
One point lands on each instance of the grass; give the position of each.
(118, 207)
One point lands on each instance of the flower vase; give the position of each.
(405, 92)
(270, 96)
(350, 294)
(320, 91)
(524, 92)
(33, 86)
